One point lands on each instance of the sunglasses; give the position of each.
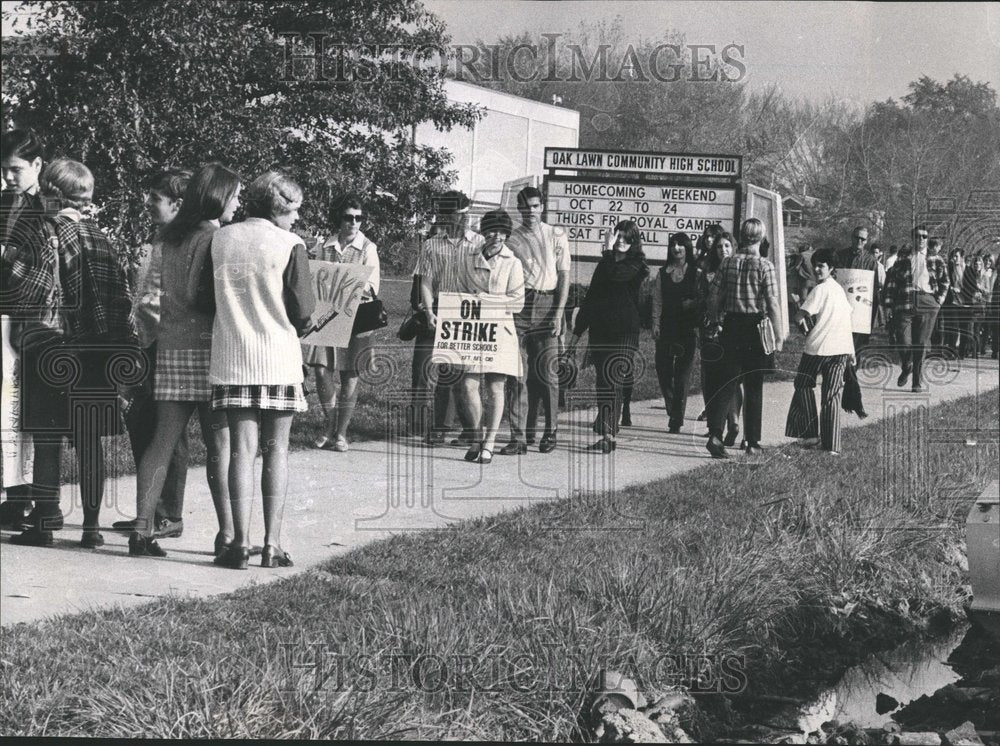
(353, 218)
(921, 235)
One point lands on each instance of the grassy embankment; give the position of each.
(781, 560)
(369, 416)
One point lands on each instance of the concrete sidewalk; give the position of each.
(339, 501)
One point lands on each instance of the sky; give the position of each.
(857, 51)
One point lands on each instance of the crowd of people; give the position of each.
(214, 315)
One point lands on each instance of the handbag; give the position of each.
(415, 326)
(370, 316)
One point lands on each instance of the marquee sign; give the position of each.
(655, 190)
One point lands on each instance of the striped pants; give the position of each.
(802, 420)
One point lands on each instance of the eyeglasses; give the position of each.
(353, 218)
(921, 236)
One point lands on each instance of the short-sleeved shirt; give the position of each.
(441, 259)
(544, 253)
(501, 274)
(359, 251)
(831, 335)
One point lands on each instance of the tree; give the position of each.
(943, 140)
(129, 87)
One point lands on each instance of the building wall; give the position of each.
(507, 143)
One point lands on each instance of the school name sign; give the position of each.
(664, 164)
(655, 190)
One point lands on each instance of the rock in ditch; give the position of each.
(926, 738)
(630, 726)
(963, 735)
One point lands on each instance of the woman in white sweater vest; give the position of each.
(264, 303)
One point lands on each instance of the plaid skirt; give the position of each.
(182, 375)
(279, 398)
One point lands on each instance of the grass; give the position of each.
(394, 373)
(777, 562)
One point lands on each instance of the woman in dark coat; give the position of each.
(677, 312)
(610, 312)
(78, 344)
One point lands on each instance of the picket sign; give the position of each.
(338, 289)
(476, 332)
(859, 285)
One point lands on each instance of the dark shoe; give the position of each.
(919, 389)
(703, 416)
(236, 558)
(91, 539)
(221, 545)
(716, 447)
(274, 557)
(903, 378)
(603, 446)
(472, 454)
(514, 448)
(754, 449)
(626, 419)
(12, 513)
(731, 435)
(674, 429)
(129, 526)
(485, 456)
(33, 537)
(862, 414)
(144, 546)
(530, 440)
(52, 522)
(548, 443)
(168, 528)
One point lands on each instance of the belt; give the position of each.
(539, 292)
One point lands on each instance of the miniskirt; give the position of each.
(182, 375)
(278, 398)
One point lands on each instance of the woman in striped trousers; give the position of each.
(825, 317)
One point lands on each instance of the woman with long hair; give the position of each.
(264, 302)
(610, 312)
(676, 315)
(711, 351)
(743, 294)
(184, 348)
(69, 290)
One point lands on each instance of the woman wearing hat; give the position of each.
(495, 275)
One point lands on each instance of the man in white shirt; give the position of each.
(544, 253)
(829, 348)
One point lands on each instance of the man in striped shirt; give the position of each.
(439, 266)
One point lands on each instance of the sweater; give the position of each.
(182, 326)
(254, 339)
(610, 310)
